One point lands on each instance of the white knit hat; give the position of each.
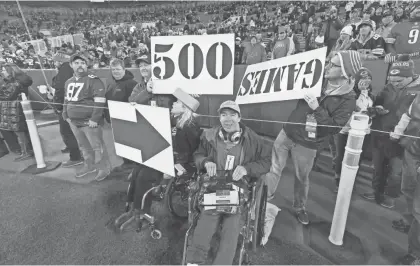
(347, 30)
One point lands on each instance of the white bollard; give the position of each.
(33, 131)
(359, 124)
(41, 166)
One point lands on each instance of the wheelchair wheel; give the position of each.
(260, 208)
(176, 198)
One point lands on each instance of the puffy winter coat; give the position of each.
(11, 113)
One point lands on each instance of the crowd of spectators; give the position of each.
(352, 31)
(263, 30)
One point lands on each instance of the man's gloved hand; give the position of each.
(394, 137)
(239, 172)
(390, 58)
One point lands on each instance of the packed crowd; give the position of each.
(370, 31)
(263, 31)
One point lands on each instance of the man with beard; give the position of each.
(333, 109)
(65, 72)
(83, 109)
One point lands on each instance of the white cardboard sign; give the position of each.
(283, 79)
(198, 64)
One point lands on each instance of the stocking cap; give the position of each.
(350, 62)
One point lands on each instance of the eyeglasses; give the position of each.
(332, 64)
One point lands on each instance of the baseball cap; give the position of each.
(365, 22)
(404, 67)
(78, 56)
(143, 58)
(238, 39)
(230, 105)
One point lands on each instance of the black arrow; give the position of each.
(141, 135)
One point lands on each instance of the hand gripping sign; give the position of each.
(142, 134)
(283, 79)
(198, 64)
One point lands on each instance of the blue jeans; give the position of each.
(92, 146)
(303, 160)
(410, 187)
(207, 225)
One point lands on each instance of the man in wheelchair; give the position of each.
(239, 150)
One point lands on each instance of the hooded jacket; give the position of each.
(335, 109)
(64, 73)
(119, 90)
(256, 153)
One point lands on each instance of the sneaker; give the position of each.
(85, 170)
(71, 163)
(102, 174)
(387, 202)
(401, 226)
(302, 217)
(369, 196)
(409, 260)
(23, 157)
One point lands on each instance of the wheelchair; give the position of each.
(252, 194)
(176, 188)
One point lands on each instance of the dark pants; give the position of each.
(143, 179)
(12, 141)
(387, 172)
(69, 139)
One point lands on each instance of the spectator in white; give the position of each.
(367, 42)
(410, 186)
(282, 45)
(405, 35)
(254, 53)
(348, 8)
(334, 108)
(344, 42)
(385, 28)
(87, 90)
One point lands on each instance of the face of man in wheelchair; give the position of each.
(230, 120)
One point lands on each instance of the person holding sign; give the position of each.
(185, 138)
(305, 135)
(230, 147)
(143, 91)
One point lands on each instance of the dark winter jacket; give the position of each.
(397, 103)
(333, 110)
(11, 113)
(412, 145)
(185, 142)
(119, 90)
(257, 153)
(64, 73)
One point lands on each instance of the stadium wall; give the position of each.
(275, 111)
